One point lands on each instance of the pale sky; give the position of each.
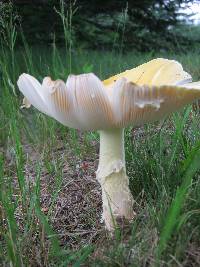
(193, 9)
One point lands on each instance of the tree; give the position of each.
(140, 24)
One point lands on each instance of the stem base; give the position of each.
(111, 174)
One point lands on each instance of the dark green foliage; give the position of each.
(138, 24)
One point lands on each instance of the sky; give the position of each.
(193, 9)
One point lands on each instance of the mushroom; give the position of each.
(143, 94)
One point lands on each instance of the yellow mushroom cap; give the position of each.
(158, 72)
(134, 97)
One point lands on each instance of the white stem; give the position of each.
(111, 174)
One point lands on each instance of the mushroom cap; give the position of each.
(137, 96)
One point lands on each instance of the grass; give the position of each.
(50, 205)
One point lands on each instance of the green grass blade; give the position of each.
(191, 166)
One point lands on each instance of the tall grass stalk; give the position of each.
(66, 14)
(119, 36)
(9, 36)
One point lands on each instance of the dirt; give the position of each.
(70, 196)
